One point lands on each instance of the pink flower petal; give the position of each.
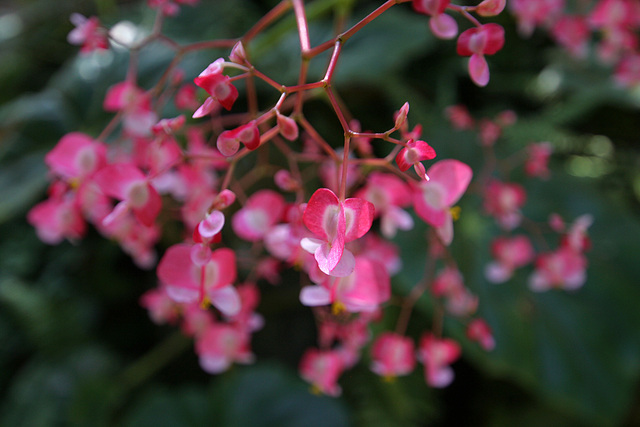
(443, 26)
(226, 299)
(313, 296)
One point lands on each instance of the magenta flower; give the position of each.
(441, 24)
(437, 354)
(476, 43)
(322, 369)
(393, 355)
(478, 330)
(263, 210)
(363, 290)
(509, 254)
(563, 269)
(433, 199)
(221, 345)
(503, 201)
(388, 194)
(217, 85)
(412, 154)
(88, 33)
(335, 222)
(128, 184)
(57, 218)
(193, 276)
(228, 142)
(75, 157)
(134, 103)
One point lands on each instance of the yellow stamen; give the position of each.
(206, 302)
(389, 378)
(74, 183)
(455, 212)
(338, 308)
(314, 389)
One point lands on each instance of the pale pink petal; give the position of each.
(496, 272)
(345, 266)
(207, 107)
(328, 256)
(454, 176)
(176, 268)
(359, 215)
(214, 364)
(182, 295)
(445, 231)
(479, 69)
(313, 296)
(309, 244)
(443, 26)
(440, 377)
(227, 143)
(225, 299)
(211, 225)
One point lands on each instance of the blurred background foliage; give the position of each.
(77, 349)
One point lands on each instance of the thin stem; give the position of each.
(301, 21)
(345, 167)
(266, 20)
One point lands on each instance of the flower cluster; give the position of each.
(331, 212)
(614, 23)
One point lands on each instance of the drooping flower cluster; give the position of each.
(334, 220)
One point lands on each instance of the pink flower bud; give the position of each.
(491, 7)
(287, 126)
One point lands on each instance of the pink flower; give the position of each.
(627, 72)
(88, 33)
(388, 194)
(476, 43)
(441, 24)
(503, 201)
(57, 218)
(393, 355)
(459, 117)
(564, 269)
(138, 117)
(537, 163)
(363, 290)
(509, 254)
(162, 309)
(221, 345)
(168, 7)
(412, 154)
(433, 199)
(532, 13)
(572, 32)
(128, 184)
(263, 210)
(287, 126)
(322, 369)
(447, 282)
(217, 85)
(228, 142)
(192, 274)
(437, 354)
(335, 222)
(75, 157)
(478, 330)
